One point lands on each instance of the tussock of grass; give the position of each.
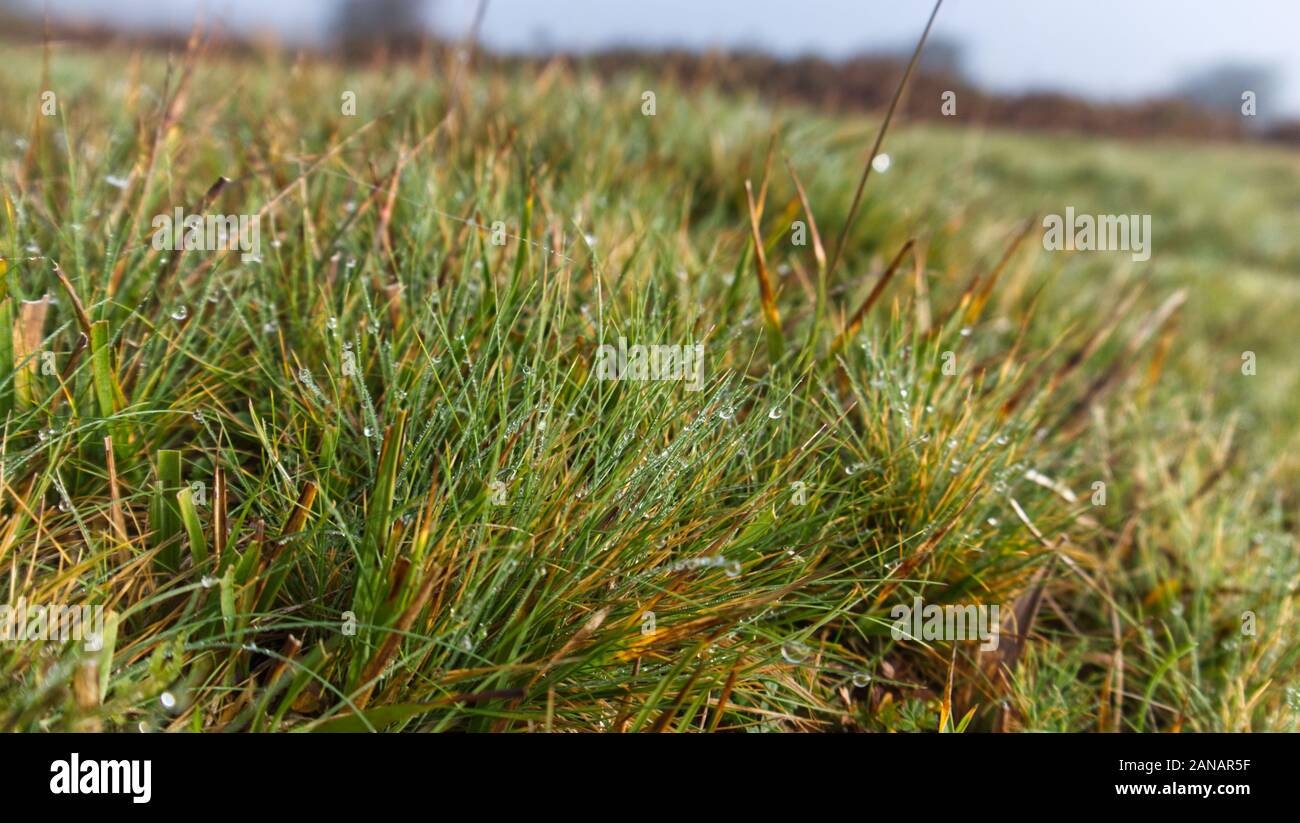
(399, 427)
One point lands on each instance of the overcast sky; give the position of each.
(1104, 49)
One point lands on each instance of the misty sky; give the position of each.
(1103, 49)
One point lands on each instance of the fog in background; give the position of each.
(1105, 50)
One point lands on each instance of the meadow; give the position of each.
(371, 479)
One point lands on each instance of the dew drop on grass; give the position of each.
(881, 162)
(793, 652)
(992, 521)
(1002, 440)
(861, 680)
(180, 313)
(965, 332)
(208, 581)
(775, 413)
(332, 323)
(367, 432)
(726, 414)
(168, 700)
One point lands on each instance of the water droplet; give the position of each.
(992, 521)
(1002, 440)
(367, 432)
(207, 581)
(168, 700)
(794, 652)
(881, 162)
(861, 680)
(180, 313)
(332, 323)
(726, 414)
(965, 332)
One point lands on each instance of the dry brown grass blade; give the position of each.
(980, 287)
(370, 675)
(922, 288)
(661, 722)
(855, 322)
(725, 695)
(1068, 424)
(945, 708)
(115, 512)
(85, 690)
(220, 512)
(767, 174)
(83, 319)
(28, 332)
(1072, 362)
(209, 197)
(579, 637)
(905, 568)
(981, 299)
(1015, 628)
(880, 140)
(771, 317)
(819, 251)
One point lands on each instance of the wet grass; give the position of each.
(372, 481)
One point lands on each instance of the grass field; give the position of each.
(417, 507)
